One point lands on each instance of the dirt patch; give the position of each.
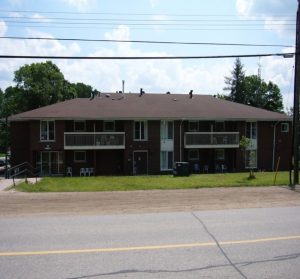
(17, 203)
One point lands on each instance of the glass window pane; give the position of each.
(170, 130)
(51, 130)
(44, 129)
(170, 160)
(163, 159)
(253, 134)
(137, 130)
(142, 125)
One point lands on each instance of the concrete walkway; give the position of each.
(5, 183)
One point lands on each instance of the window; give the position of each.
(284, 127)
(166, 160)
(47, 130)
(109, 126)
(251, 130)
(140, 130)
(251, 159)
(79, 126)
(79, 156)
(193, 126)
(220, 154)
(193, 154)
(166, 130)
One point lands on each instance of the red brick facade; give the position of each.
(27, 146)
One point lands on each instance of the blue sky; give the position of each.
(230, 21)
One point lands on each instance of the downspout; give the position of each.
(180, 140)
(274, 145)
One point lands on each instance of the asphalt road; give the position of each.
(236, 243)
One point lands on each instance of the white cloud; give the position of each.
(81, 5)
(3, 28)
(275, 13)
(176, 76)
(154, 3)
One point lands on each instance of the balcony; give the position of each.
(211, 140)
(93, 141)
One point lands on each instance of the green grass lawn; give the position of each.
(164, 182)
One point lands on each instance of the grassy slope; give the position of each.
(128, 183)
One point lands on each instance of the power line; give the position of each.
(132, 14)
(141, 20)
(146, 24)
(145, 28)
(145, 57)
(144, 41)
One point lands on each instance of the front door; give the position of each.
(140, 162)
(51, 163)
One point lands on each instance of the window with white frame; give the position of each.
(193, 154)
(166, 130)
(193, 126)
(109, 126)
(79, 156)
(47, 130)
(166, 160)
(140, 130)
(284, 127)
(251, 130)
(79, 126)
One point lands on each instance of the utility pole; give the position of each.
(296, 101)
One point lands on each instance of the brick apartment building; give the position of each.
(125, 134)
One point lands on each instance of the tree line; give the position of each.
(41, 84)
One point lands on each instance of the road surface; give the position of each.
(232, 243)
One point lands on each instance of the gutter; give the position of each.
(274, 145)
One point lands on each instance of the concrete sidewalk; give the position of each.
(5, 183)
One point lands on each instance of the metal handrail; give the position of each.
(26, 168)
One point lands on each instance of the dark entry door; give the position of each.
(140, 162)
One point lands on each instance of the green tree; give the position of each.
(235, 83)
(252, 90)
(262, 95)
(40, 84)
(83, 90)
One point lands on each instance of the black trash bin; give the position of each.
(181, 169)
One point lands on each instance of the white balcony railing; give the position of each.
(106, 140)
(211, 140)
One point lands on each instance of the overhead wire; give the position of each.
(290, 54)
(144, 41)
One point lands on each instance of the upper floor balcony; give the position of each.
(211, 140)
(85, 140)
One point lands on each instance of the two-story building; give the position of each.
(146, 133)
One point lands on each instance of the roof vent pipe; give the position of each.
(123, 86)
(141, 92)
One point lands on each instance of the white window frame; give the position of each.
(109, 130)
(80, 161)
(285, 127)
(140, 130)
(163, 168)
(47, 136)
(79, 121)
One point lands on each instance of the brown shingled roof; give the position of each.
(150, 106)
